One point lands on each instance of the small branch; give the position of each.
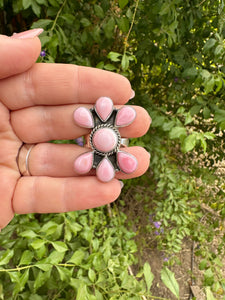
(58, 14)
(131, 26)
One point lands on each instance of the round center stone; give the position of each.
(105, 140)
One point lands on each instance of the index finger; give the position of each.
(59, 84)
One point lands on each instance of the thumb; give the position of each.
(19, 52)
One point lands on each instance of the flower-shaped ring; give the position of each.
(105, 140)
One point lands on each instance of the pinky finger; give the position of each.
(55, 195)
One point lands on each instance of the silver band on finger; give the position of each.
(124, 142)
(23, 159)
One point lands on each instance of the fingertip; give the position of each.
(17, 55)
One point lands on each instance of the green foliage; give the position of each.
(173, 53)
(68, 255)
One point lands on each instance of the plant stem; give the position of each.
(58, 14)
(131, 26)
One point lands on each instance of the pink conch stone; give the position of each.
(125, 116)
(105, 139)
(83, 163)
(127, 162)
(104, 107)
(83, 117)
(105, 171)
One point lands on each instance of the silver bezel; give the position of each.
(116, 149)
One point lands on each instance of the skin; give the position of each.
(37, 102)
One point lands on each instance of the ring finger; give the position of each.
(57, 160)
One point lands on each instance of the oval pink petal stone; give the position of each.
(83, 163)
(125, 116)
(127, 162)
(83, 117)
(105, 139)
(105, 171)
(104, 107)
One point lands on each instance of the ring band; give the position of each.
(23, 159)
(124, 142)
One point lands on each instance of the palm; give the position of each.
(9, 172)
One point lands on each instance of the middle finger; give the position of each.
(43, 123)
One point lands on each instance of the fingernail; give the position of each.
(121, 184)
(28, 34)
(132, 94)
(149, 155)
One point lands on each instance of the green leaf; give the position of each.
(42, 2)
(190, 72)
(195, 109)
(38, 243)
(123, 24)
(209, 135)
(56, 257)
(100, 65)
(41, 279)
(114, 56)
(29, 234)
(125, 62)
(205, 74)
(99, 12)
(77, 257)
(209, 277)
(109, 28)
(188, 119)
(44, 267)
(82, 293)
(91, 275)
(54, 3)
(42, 23)
(219, 50)
(148, 275)
(36, 8)
(21, 283)
(206, 112)
(177, 132)
(59, 246)
(109, 67)
(203, 264)
(6, 256)
(189, 143)
(123, 3)
(85, 22)
(26, 3)
(170, 282)
(64, 273)
(69, 18)
(219, 115)
(209, 85)
(209, 294)
(209, 44)
(26, 257)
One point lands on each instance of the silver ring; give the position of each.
(124, 142)
(23, 159)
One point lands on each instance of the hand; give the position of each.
(37, 102)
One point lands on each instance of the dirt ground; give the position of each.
(186, 271)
